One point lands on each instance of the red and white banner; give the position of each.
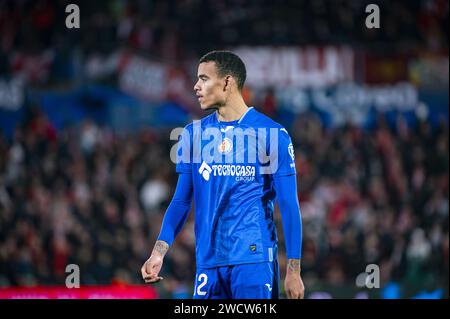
(84, 292)
(306, 67)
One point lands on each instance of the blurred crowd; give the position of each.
(83, 196)
(96, 198)
(375, 197)
(171, 29)
(88, 196)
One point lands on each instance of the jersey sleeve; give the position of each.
(286, 189)
(184, 151)
(283, 160)
(178, 210)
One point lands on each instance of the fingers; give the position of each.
(295, 294)
(144, 273)
(149, 267)
(151, 277)
(292, 295)
(289, 295)
(302, 294)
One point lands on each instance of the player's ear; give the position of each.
(228, 81)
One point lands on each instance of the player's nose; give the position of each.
(196, 87)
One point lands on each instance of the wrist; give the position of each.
(293, 266)
(160, 249)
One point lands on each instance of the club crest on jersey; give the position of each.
(291, 151)
(226, 146)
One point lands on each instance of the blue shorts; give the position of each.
(244, 281)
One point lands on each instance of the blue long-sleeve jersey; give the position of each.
(235, 171)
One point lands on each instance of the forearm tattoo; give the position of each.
(161, 247)
(294, 265)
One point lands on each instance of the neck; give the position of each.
(232, 110)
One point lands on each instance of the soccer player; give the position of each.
(236, 239)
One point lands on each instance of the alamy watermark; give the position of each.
(73, 19)
(231, 151)
(73, 277)
(370, 278)
(373, 19)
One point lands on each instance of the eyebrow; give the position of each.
(203, 76)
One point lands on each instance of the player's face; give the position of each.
(210, 88)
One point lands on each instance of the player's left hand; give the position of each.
(293, 285)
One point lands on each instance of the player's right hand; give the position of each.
(151, 268)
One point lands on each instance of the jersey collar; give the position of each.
(242, 117)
